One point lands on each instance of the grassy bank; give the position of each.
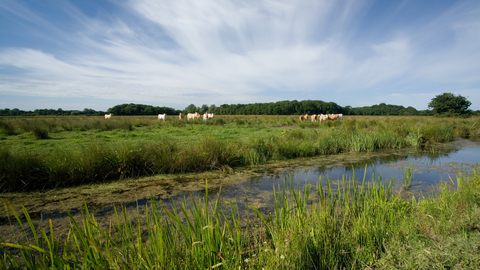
(364, 225)
(39, 153)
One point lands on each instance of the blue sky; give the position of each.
(97, 54)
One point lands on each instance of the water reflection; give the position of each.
(431, 167)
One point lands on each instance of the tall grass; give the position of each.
(97, 161)
(347, 224)
(408, 174)
(212, 235)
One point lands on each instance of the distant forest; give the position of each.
(274, 108)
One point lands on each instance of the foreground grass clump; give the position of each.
(39, 153)
(441, 232)
(348, 224)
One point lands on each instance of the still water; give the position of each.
(431, 167)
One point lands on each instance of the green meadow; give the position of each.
(358, 223)
(51, 152)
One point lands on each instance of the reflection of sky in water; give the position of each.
(430, 169)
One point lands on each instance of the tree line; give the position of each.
(446, 104)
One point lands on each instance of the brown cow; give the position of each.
(335, 116)
(313, 117)
(332, 116)
(303, 117)
(180, 116)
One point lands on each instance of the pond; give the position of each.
(431, 167)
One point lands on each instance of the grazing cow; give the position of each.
(322, 117)
(180, 116)
(191, 116)
(303, 117)
(162, 116)
(107, 116)
(314, 118)
(335, 117)
(332, 116)
(209, 115)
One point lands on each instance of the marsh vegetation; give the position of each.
(365, 224)
(50, 152)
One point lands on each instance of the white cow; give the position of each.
(192, 116)
(162, 116)
(322, 117)
(205, 117)
(209, 115)
(107, 116)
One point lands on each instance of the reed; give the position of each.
(408, 174)
(350, 223)
(124, 147)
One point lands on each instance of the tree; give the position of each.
(447, 104)
(190, 109)
(203, 109)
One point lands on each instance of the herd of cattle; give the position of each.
(206, 116)
(321, 117)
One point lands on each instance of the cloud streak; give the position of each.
(214, 52)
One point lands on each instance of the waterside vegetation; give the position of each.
(50, 152)
(348, 224)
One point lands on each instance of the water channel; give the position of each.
(431, 167)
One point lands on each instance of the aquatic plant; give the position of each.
(348, 223)
(408, 174)
(94, 149)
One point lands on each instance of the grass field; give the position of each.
(50, 152)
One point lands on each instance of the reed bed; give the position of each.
(146, 146)
(346, 224)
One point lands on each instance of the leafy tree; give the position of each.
(203, 109)
(190, 109)
(447, 104)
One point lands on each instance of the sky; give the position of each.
(101, 53)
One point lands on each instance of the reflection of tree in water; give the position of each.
(374, 161)
(439, 153)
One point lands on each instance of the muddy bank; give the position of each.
(440, 163)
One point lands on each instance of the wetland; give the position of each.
(247, 158)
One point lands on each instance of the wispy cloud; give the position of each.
(213, 52)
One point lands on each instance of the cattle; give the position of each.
(335, 117)
(332, 116)
(209, 115)
(303, 117)
(322, 117)
(180, 116)
(205, 117)
(191, 116)
(107, 116)
(314, 117)
(197, 116)
(162, 116)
